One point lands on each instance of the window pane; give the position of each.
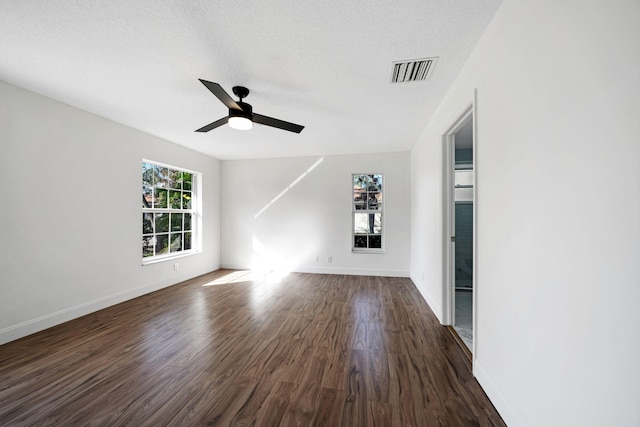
(147, 196)
(360, 241)
(147, 175)
(375, 183)
(162, 222)
(176, 222)
(359, 197)
(360, 181)
(161, 198)
(186, 200)
(187, 241)
(174, 199)
(373, 201)
(147, 223)
(176, 242)
(161, 178)
(186, 180)
(367, 223)
(376, 226)
(375, 241)
(187, 222)
(360, 223)
(147, 246)
(162, 244)
(175, 179)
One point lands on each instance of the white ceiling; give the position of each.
(324, 64)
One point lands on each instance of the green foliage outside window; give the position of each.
(167, 218)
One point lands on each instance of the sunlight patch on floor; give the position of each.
(233, 277)
(241, 276)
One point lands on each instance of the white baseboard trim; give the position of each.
(46, 321)
(505, 410)
(436, 308)
(329, 270)
(353, 271)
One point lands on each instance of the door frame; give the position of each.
(448, 198)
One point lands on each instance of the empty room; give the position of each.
(353, 213)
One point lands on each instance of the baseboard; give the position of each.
(505, 410)
(353, 271)
(436, 308)
(46, 321)
(329, 270)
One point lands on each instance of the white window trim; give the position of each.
(196, 211)
(381, 249)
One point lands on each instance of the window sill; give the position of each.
(156, 260)
(367, 251)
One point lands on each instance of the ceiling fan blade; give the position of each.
(220, 93)
(280, 124)
(214, 125)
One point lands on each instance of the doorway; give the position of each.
(459, 245)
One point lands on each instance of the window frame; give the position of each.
(355, 211)
(195, 210)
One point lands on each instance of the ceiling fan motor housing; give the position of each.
(247, 111)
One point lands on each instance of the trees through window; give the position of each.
(169, 211)
(367, 212)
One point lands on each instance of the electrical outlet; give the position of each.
(317, 259)
(329, 259)
(176, 266)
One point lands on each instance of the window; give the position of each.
(170, 217)
(367, 213)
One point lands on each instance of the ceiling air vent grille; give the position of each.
(413, 70)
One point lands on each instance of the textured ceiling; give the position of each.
(324, 64)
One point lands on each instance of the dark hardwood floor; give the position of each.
(229, 349)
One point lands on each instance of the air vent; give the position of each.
(413, 70)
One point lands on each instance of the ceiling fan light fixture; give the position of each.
(240, 113)
(240, 123)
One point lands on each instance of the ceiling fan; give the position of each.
(241, 115)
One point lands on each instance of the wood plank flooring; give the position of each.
(232, 349)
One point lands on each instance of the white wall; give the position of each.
(70, 218)
(558, 283)
(282, 213)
